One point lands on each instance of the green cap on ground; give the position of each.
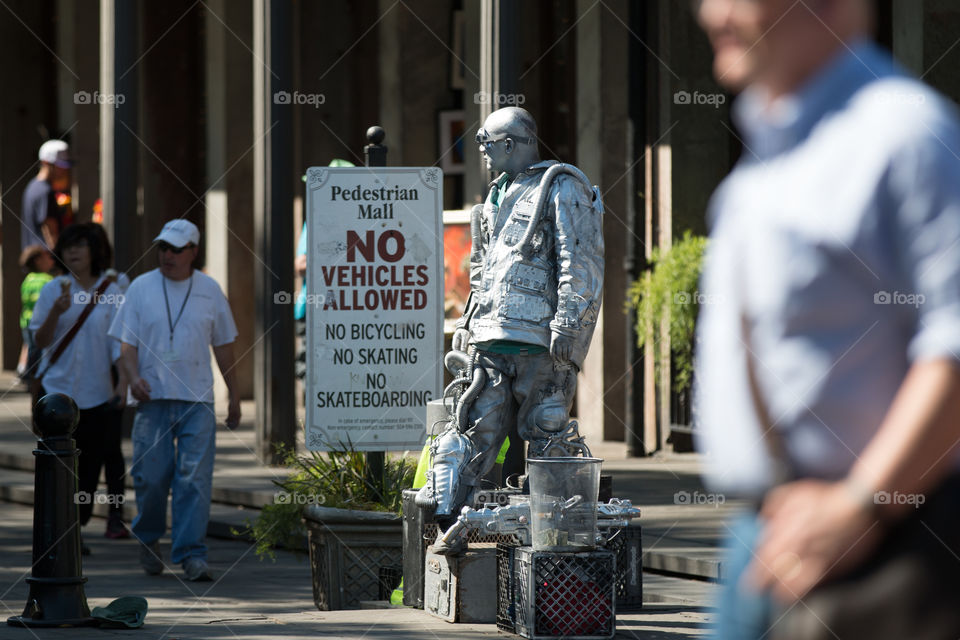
(128, 612)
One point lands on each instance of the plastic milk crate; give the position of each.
(628, 553)
(542, 594)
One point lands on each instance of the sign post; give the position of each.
(374, 305)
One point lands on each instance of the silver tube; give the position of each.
(545, 182)
(454, 361)
(479, 379)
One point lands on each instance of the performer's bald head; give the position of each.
(513, 121)
(508, 140)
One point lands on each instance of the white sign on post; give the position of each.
(374, 305)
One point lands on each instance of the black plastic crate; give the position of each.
(505, 607)
(563, 595)
(626, 547)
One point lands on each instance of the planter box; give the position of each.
(354, 555)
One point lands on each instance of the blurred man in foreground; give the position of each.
(828, 386)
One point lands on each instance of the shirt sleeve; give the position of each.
(579, 257)
(927, 237)
(36, 207)
(125, 327)
(48, 295)
(114, 345)
(42, 208)
(224, 329)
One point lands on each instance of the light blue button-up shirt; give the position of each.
(838, 237)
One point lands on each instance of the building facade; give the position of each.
(213, 110)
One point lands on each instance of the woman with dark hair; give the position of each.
(70, 321)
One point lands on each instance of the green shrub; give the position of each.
(669, 292)
(339, 479)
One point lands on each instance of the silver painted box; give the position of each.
(462, 588)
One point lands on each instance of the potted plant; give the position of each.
(668, 294)
(352, 522)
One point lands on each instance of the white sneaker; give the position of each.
(196, 570)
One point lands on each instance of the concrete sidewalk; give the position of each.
(682, 526)
(262, 600)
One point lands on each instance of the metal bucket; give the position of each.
(563, 503)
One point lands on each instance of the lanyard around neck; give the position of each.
(171, 323)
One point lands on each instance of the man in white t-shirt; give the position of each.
(169, 320)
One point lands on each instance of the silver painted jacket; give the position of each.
(533, 272)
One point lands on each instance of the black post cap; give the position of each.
(376, 134)
(57, 415)
(375, 153)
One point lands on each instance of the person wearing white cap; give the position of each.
(40, 216)
(165, 353)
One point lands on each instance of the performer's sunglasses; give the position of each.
(163, 246)
(487, 140)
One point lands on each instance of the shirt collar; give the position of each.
(772, 127)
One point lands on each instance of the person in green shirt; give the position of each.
(37, 261)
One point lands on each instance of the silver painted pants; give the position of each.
(521, 390)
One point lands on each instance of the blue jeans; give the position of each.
(174, 442)
(742, 614)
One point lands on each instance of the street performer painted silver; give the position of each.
(536, 280)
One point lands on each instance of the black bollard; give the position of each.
(375, 153)
(56, 595)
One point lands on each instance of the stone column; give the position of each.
(84, 123)
(474, 174)
(27, 109)
(273, 213)
(236, 181)
(603, 152)
(120, 151)
(589, 30)
(689, 121)
(391, 77)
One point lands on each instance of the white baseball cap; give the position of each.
(56, 152)
(179, 233)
